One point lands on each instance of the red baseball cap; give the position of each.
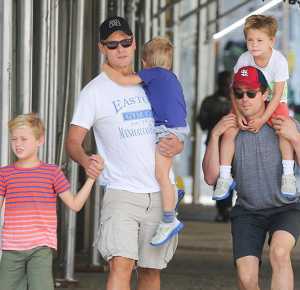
(250, 77)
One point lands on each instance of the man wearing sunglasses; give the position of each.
(123, 126)
(260, 208)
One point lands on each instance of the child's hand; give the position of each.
(95, 166)
(255, 125)
(242, 122)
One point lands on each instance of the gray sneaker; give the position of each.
(288, 186)
(223, 188)
(166, 231)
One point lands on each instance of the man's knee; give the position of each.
(279, 255)
(121, 266)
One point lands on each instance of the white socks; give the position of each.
(288, 167)
(225, 171)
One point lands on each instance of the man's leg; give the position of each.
(247, 271)
(148, 279)
(281, 246)
(119, 276)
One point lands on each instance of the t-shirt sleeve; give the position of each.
(147, 75)
(61, 184)
(281, 69)
(85, 110)
(2, 186)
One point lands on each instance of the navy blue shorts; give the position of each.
(250, 228)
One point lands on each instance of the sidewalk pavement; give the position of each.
(203, 260)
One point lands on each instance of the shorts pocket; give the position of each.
(104, 238)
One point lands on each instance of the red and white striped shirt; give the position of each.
(30, 218)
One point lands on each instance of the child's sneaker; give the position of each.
(288, 185)
(166, 231)
(223, 188)
(180, 196)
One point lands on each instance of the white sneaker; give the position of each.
(288, 186)
(223, 188)
(166, 231)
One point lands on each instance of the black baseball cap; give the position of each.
(113, 24)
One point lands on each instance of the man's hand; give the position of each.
(255, 125)
(170, 146)
(285, 127)
(93, 166)
(228, 121)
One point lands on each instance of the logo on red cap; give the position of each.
(244, 72)
(249, 77)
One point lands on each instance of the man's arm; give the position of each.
(211, 161)
(286, 128)
(75, 150)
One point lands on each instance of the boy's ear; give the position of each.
(273, 41)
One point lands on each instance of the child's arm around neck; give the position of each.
(119, 78)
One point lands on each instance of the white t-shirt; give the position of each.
(275, 71)
(123, 126)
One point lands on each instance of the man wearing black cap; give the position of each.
(260, 209)
(123, 126)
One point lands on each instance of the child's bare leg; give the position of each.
(288, 184)
(163, 166)
(227, 148)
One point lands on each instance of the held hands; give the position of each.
(255, 125)
(94, 166)
(242, 122)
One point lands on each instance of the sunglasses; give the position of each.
(239, 94)
(114, 44)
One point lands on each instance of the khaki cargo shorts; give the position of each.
(128, 222)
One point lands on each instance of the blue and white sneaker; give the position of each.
(223, 188)
(166, 231)
(288, 186)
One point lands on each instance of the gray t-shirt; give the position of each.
(257, 170)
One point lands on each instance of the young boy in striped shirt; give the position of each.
(30, 188)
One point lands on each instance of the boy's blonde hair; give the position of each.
(158, 52)
(261, 22)
(31, 120)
